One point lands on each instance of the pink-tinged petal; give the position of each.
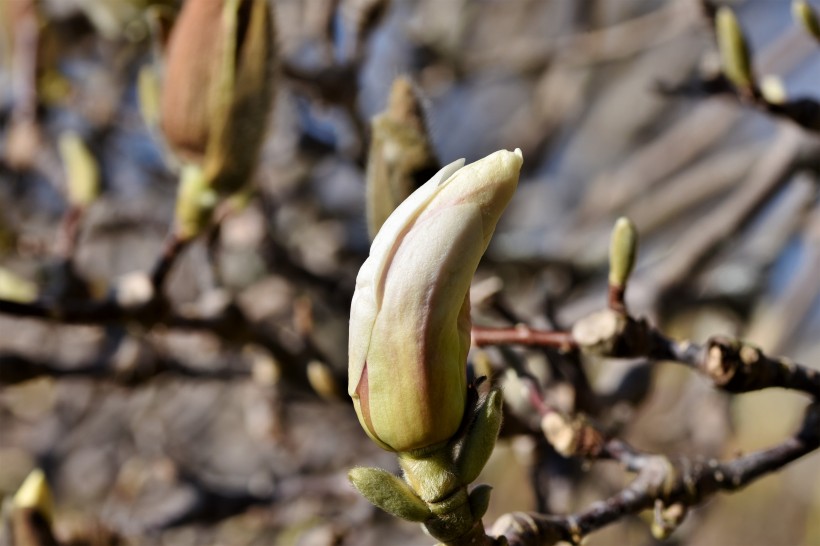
(410, 316)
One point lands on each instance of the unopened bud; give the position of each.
(243, 99)
(218, 88)
(623, 249)
(410, 315)
(806, 17)
(734, 50)
(35, 494)
(148, 93)
(321, 379)
(82, 173)
(15, 288)
(773, 90)
(399, 151)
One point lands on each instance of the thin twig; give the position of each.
(522, 335)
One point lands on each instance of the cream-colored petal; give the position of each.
(417, 376)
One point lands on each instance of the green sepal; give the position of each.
(480, 500)
(389, 493)
(479, 440)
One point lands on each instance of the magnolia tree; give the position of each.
(222, 353)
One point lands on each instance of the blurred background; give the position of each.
(166, 433)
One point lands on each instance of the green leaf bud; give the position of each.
(480, 438)
(623, 249)
(480, 500)
(734, 50)
(806, 17)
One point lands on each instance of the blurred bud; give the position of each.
(321, 379)
(195, 205)
(133, 290)
(33, 512)
(218, 87)
(35, 494)
(734, 50)
(193, 48)
(16, 288)
(666, 519)
(806, 17)
(243, 99)
(623, 248)
(148, 93)
(399, 151)
(82, 173)
(410, 315)
(773, 90)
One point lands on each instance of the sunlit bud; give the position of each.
(34, 493)
(410, 316)
(734, 50)
(623, 248)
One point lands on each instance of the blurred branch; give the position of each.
(230, 325)
(772, 171)
(16, 368)
(684, 140)
(684, 481)
(630, 37)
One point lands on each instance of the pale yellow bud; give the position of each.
(734, 50)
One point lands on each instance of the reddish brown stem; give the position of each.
(522, 335)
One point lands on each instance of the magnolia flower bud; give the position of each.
(410, 316)
(218, 87)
